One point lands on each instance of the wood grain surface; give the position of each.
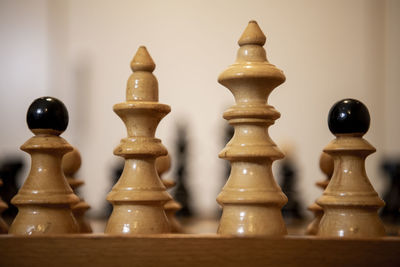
(195, 250)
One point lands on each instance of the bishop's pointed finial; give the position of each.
(252, 35)
(142, 85)
(142, 61)
(139, 195)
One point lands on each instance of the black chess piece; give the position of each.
(47, 113)
(10, 170)
(391, 211)
(181, 193)
(288, 182)
(348, 116)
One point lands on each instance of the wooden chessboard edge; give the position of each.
(195, 250)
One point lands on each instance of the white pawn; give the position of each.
(350, 202)
(45, 199)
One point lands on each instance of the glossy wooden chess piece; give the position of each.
(139, 195)
(251, 199)
(71, 163)
(45, 199)
(3, 207)
(163, 164)
(350, 202)
(326, 166)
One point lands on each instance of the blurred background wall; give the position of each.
(79, 51)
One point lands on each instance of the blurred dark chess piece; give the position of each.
(390, 213)
(10, 170)
(292, 211)
(3, 207)
(181, 193)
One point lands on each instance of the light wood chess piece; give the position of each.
(326, 166)
(139, 195)
(3, 207)
(350, 202)
(163, 164)
(45, 199)
(251, 199)
(71, 163)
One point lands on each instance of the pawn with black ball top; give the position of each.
(45, 199)
(350, 202)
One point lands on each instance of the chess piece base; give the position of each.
(137, 219)
(352, 223)
(251, 220)
(38, 220)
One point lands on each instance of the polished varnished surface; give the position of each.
(139, 195)
(348, 116)
(251, 199)
(196, 250)
(47, 113)
(350, 202)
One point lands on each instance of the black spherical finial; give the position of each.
(348, 116)
(47, 113)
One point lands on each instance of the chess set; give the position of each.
(50, 228)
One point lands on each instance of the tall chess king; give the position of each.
(251, 199)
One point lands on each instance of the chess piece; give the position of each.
(163, 164)
(326, 166)
(251, 199)
(45, 199)
(181, 192)
(390, 213)
(3, 207)
(292, 210)
(10, 170)
(71, 163)
(287, 171)
(139, 195)
(349, 201)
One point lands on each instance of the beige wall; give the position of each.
(329, 50)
